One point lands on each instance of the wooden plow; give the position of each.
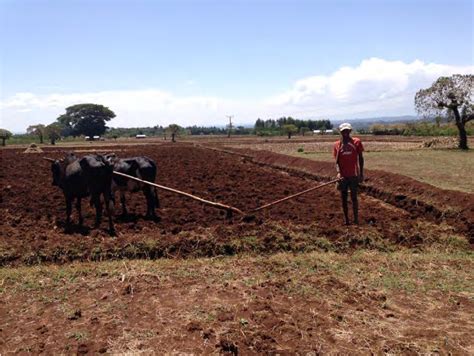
(293, 196)
(229, 209)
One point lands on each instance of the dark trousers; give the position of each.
(345, 184)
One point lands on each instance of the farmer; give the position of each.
(350, 167)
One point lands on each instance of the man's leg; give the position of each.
(355, 203)
(344, 193)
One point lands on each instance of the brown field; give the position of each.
(290, 279)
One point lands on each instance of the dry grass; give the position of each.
(335, 299)
(446, 169)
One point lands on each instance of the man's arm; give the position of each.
(361, 167)
(336, 156)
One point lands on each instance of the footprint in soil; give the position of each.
(82, 349)
(228, 346)
(127, 218)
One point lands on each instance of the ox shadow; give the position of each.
(74, 229)
(133, 218)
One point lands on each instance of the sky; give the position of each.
(195, 62)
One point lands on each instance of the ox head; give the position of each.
(57, 167)
(55, 170)
(111, 158)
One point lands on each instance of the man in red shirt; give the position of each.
(350, 167)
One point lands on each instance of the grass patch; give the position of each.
(446, 271)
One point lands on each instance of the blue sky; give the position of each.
(193, 62)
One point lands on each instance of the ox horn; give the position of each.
(49, 159)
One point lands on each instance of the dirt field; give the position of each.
(34, 213)
(233, 305)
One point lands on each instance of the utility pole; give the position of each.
(230, 124)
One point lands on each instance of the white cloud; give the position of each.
(375, 87)
(133, 108)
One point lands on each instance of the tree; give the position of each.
(173, 130)
(230, 125)
(86, 119)
(289, 129)
(452, 94)
(4, 135)
(259, 124)
(303, 130)
(53, 131)
(38, 130)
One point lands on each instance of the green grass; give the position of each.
(446, 169)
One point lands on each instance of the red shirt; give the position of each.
(347, 156)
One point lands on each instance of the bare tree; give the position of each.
(452, 94)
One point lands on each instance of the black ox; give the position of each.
(140, 167)
(80, 178)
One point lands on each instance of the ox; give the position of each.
(79, 178)
(139, 167)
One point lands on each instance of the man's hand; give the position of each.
(361, 178)
(339, 176)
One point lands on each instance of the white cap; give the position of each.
(345, 126)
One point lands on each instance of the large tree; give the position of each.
(38, 130)
(4, 135)
(86, 119)
(453, 96)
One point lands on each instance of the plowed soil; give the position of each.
(395, 211)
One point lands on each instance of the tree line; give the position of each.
(450, 97)
(423, 128)
(289, 126)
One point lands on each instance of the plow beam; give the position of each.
(229, 209)
(293, 196)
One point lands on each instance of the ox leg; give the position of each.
(150, 202)
(79, 211)
(157, 200)
(68, 212)
(122, 201)
(98, 209)
(109, 205)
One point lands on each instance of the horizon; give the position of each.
(195, 62)
(354, 121)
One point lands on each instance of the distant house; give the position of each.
(93, 138)
(323, 132)
(140, 136)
